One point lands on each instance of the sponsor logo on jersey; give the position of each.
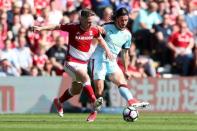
(83, 37)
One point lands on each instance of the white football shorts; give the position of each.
(72, 67)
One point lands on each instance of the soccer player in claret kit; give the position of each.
(80, 49)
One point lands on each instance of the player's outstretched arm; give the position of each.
(103, 44)
(125, 60)
(48, 27)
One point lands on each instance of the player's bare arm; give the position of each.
(125, 60)
(48, 27)
(103, 44)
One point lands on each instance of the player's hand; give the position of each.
(127, 75)
(109, 55)
(36, 28)
(101, 29)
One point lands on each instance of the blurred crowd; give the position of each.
(164, 35)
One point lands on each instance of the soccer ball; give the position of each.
(130, 114)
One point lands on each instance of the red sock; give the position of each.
(65, 96)
(132, 101)
(90, 93)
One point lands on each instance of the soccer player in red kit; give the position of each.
(80, 49)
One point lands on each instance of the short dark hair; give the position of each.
(120, 12)
(2, 60)
(87, 13)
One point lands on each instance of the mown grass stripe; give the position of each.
(104, 122)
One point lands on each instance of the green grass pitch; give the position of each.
(104, 122)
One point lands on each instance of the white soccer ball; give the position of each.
(130, 114)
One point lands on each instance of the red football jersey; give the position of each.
(80, 41)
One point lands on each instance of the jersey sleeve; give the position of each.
(66, 27)
(127, 45)
(96, 32)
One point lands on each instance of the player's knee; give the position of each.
(76, 88)
(123, 85)
(86, 83)
(121, 82)
(74, 92)
(99, 85)
(85, 79)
